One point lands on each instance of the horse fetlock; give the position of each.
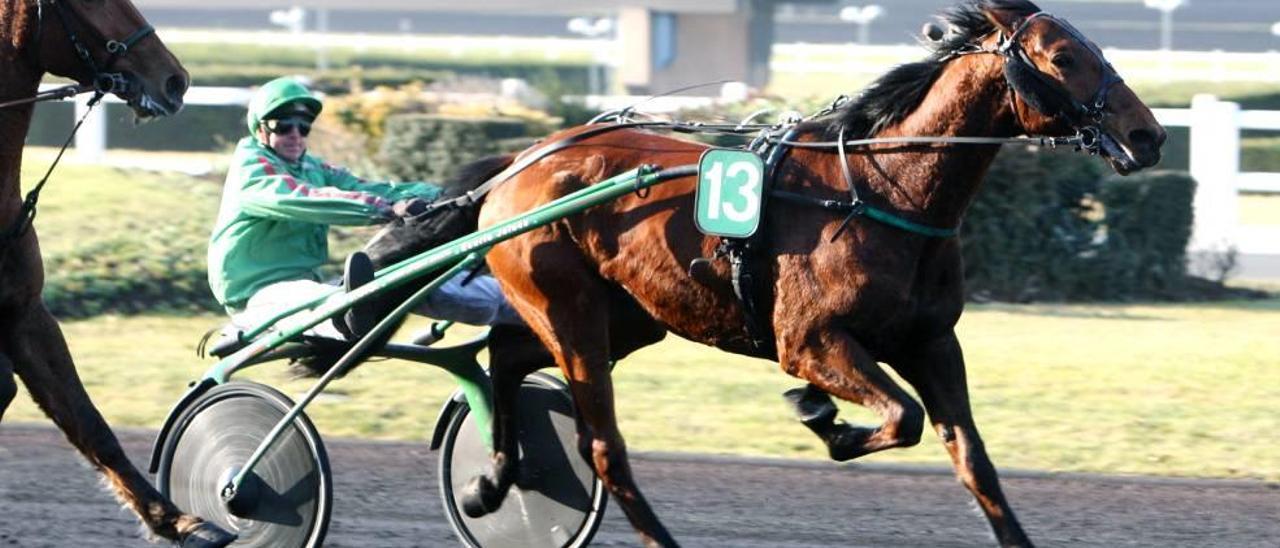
(481, 497)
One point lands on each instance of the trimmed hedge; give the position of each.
(196, 128)
(1148, 223)
(1050, 226)
(1029, 225)
(429, 147)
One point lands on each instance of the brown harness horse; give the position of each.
(845, 297)
(107, 45)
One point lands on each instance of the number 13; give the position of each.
(751, 208)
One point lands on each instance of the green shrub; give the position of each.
(160, 267)
(1050, 226)
(1030, 224)
(196, 128)
(1148, 224)
(429, 147)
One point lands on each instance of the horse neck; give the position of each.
(969, 99)
(18, 80)
(14, 123)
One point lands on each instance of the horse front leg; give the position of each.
(41, 359)
(936, 370)
(834, 363)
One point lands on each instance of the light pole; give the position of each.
(1166, 8)
(593, 28)
(862, 16)
(293, 19)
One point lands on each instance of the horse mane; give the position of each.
(898, 93)
(14, 18)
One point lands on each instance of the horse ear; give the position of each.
(1006, 20)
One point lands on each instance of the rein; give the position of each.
(1025, 80)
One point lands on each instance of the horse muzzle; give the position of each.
(1140, 151)
(137, 93)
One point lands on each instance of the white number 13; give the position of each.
(747, 191)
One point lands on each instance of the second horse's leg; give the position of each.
(40, 356)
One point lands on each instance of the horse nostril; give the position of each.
(175, 87)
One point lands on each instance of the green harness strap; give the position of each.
(909, 226)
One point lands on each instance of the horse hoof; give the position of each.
(207, 535)
(846, 442)
(480, 497)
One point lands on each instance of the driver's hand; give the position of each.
(411, 207)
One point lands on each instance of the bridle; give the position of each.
(1044, 94)
(103, 80)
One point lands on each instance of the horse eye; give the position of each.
(1063, 61)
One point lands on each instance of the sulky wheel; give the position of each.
(558, 501)
(286, 500)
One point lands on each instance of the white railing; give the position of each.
(1215, 164)
(91, 140)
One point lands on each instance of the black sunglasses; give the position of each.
(285, 127)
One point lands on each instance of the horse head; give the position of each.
(108, 44)
(1062, 84)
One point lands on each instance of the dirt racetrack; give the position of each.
(385, 496)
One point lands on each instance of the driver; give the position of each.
(271, 234)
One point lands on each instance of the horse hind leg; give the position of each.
(937, 372)
(836, 364)
(514, 352)
(566, 304)
(41, 359)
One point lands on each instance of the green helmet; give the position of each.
(277, 94)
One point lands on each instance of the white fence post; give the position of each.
(1215, 161)
(91, 140)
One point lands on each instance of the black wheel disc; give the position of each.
(558, 500)
(286, 500)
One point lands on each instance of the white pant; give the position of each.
(478, 302)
